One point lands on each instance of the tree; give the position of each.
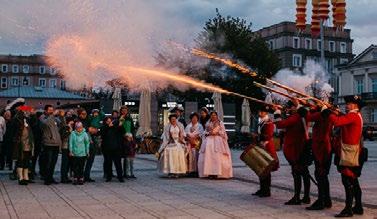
(233, 36)
(230, 37)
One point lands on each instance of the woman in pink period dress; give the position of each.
(215, 159)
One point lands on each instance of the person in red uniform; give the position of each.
(265, 139)
(295, 138)
(322, 153)
(349, 154)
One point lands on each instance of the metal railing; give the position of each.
(369, 96)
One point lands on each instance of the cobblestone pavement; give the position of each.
(150, 196)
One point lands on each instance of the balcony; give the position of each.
(370, 96)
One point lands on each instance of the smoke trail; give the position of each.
(313, 80)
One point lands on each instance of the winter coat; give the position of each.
(111, 138)
(50, 131)
(79, 144)
(19, 145)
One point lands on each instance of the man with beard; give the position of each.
(51, 141)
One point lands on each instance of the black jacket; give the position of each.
(111, 138)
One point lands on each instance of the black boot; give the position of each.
(319, 203)
(266, 185)
(297, 187)
(326, 190)
(358, 208)
(306, 180)
(257, 193)
(348, 187)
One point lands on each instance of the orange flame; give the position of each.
(63, 48)
(227, 62)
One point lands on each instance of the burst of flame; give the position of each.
(227, 62)
(63, 48)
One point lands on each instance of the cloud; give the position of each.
(26, 26)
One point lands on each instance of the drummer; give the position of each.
(265, 140)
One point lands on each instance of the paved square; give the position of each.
(150, 196)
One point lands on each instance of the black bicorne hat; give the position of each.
(265, 108)
(354, 99)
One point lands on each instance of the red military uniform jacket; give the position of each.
(294, 138)
(321, 136)
(351, 125)
(266, 136)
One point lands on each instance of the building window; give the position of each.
(296, 42)
(308, 43)
(25, 69)
(52, 83)
(343, 61)
(319, 45)
(297, 60)
(42, 82)
(373, 115)
(52, 71)
(374, 55)
(343, 47)
(271, 44)
(15, 81)
(42, 69)
(4, 82)
(374, 85)
(359, 85)
(26, 81)
(62, 84)
(331, 46)
(4, 68)
(15, 69)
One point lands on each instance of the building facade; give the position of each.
(294, 48)
(32, 78)
(28, 71)
(359, 77)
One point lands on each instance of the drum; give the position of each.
(258, 159)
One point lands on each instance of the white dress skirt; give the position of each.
(215, 157)
(193, 133)
(173, 157)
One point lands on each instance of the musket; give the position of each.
(289, 89)
(264, 102)
(248, 71)
(282, 94)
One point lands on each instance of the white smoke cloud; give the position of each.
(81, 36)
(313, 80)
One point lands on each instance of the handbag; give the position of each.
(349, 155)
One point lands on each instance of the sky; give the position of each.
(26, 26)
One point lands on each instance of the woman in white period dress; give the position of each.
(194, 132)
(172, 159)
(215, 159)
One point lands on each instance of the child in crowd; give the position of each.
(79, 151)
(130, 152)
